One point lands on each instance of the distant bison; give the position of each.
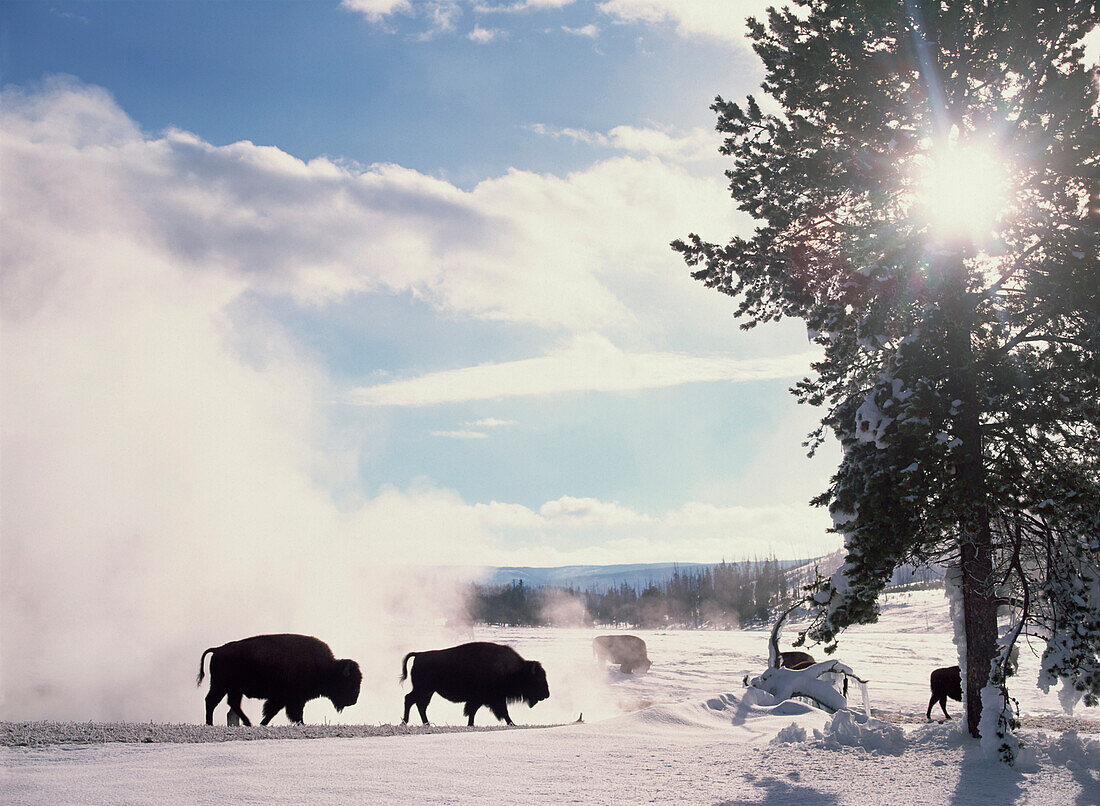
(626, 650)
(946, 682)
(284, 670)
(477, 674)
(796, 660)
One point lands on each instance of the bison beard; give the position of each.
(284, 670)
(476, 674)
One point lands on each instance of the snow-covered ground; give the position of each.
(684, 733)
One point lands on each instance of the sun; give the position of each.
(963, 192)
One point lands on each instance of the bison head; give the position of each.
(535, 688)
(344, 684)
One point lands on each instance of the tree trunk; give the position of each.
(979, 612)
(975, 532)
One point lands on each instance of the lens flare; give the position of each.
(963, 193)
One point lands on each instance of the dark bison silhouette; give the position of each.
(626, 650)
(477, 674)
(284, 670)
(796, 660)
(946, 682)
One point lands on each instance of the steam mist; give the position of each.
(168, 460)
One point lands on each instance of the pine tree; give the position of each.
(961, 364)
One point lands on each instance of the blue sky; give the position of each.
(316, 78)
(389, 277)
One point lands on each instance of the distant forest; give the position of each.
(724, 595)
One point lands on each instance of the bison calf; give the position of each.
(477, 674)
(626, 650)
(284, 670)
(946, 682)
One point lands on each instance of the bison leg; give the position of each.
(469, 710)
(421, 702)
(234, 700)
(626, 668)
(422, 707)
(212, 699)
(936, 698)
(500, 711)
(271, 708)
(295, 712)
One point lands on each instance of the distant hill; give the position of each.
(804, 572)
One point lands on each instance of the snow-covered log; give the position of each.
(816, 683)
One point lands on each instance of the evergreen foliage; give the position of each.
(960, 370)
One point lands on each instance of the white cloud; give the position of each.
(591, 31)
(554, 252)
(440, 15)
(724, 21)
(484, 35)
(698, 144)
(568, 511)
(491, 422)
(691, 18)
(570, 530)
(464, 434)
(314, 231)
(375, 10)
(577, 135)
(588, 251)
(588, 363)
(523, 5)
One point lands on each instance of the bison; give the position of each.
(286, 671)
(946, 682)
(476, 674)
(626, 650)
(796, 660)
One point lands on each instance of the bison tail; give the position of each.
(405, 667)
(202, 659)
